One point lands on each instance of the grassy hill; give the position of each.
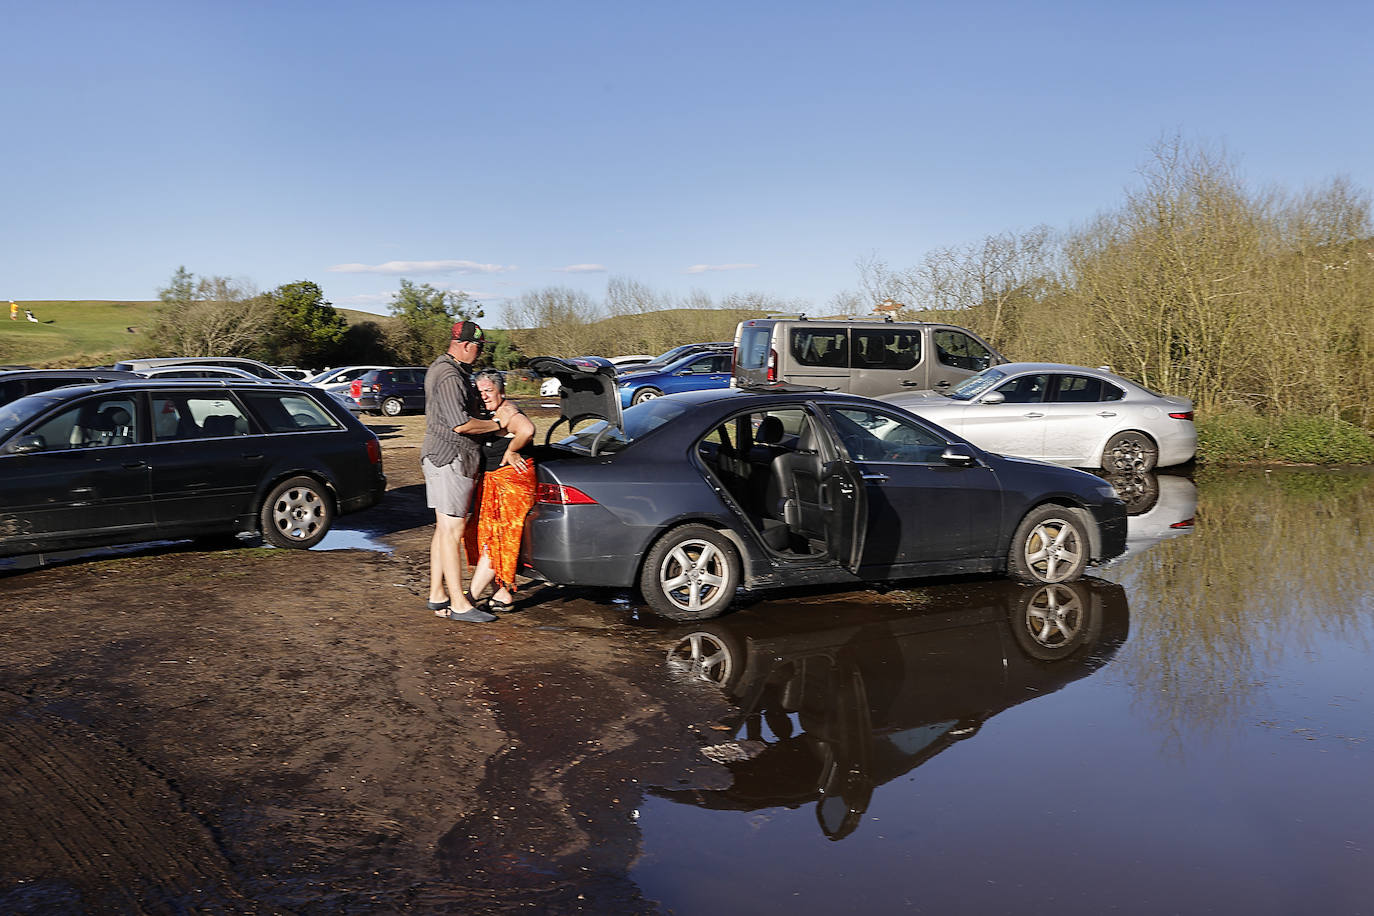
(88, 332)
(71, 333)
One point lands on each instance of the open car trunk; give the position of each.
(586, 392)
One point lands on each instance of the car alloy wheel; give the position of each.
(1130, 452)
(703, 656)
(392, 407)
(690, 574)
(1050, 545)
(646, 394)
(297, 513)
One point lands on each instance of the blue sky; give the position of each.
(727, 147)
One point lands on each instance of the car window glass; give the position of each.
(94, 423)
(1026, 389)
(960, 350)
(282, 413)
(869, 435)
(884, 348)
(820, 347)
(193, 415)
(1079, 389)
(700, 366)
(753, 347)
(975, 385)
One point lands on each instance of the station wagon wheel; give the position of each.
(1050, 545)
(297, 513)
(392, 407)
(646, 394)
(1130, 452)
(690, 574)
(1052, 622)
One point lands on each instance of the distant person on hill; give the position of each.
(14, 311)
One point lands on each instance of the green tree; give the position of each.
(306, 329)
(425, 318)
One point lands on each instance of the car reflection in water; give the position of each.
(1158, 507)
(841, 697)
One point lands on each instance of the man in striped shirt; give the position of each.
(451, 460)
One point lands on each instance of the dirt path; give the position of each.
(262, 730)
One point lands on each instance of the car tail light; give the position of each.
(554, 494)
(772, 365)
(376, 387)
(1182, 415)
(1186, 523)
(374, 450)
(355, 388)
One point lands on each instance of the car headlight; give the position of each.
(1106, 491)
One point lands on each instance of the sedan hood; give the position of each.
(586, 388)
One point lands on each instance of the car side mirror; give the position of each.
(26, 444)
(955, 457)
(993, 397)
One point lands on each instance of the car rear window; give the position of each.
(639, 420)
(280, 412)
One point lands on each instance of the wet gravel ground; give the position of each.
(258, 730)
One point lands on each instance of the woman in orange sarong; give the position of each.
(506, 495)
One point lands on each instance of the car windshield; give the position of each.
(16, 413)
(639, 420)
(975, 385)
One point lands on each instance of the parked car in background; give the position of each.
(191, 370)
(392, 391)
(341, 377)
(690, 496)
(696, 370)
(295, 373)
(628, 362)
(251, 366)
(14, 384)
(148, 459)
(668, 357)
(1070, 415)
(861, 357)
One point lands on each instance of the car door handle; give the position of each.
(252, 457)
(875, 477)
(134, 465)
(1034, 415)
(1106, 413)
(943, 383)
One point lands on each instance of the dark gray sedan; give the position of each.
(135, 461)
(691, 496)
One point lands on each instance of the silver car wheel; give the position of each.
(1053, 549)
(703, 657)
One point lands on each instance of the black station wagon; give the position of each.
(125, 462)
(690, 496)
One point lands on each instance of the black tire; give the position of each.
(1131, 452)
(1140, 492)
(297, 513)
(690, 574)
(1050, 545)
(646, 394)
(392, 407)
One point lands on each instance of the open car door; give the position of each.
(844, 501)
(586, 390)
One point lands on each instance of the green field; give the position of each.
(87, 332)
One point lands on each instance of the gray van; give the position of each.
(871, 358)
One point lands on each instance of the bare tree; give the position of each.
(212, 316)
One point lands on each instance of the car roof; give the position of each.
(1011, 368)
(76, 373)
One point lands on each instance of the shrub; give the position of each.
(1239, 436)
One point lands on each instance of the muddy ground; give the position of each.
(256, 730)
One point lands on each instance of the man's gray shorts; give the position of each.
(446, 490)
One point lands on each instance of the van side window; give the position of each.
(820, 347)
(882, 348)
(961, 351)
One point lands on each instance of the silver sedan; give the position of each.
(1069, 415)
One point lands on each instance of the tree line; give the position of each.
(1245, 301)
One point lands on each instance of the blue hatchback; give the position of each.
(695, 371)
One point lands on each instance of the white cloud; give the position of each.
(703, 268)
(582, 269)
(422, 267)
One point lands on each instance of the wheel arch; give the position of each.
(721, 527)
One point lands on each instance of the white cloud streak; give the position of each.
(703, 268)
(582, 269)
(422, 267)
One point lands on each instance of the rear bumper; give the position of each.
(580, 545)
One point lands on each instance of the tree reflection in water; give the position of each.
(1279, 561)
